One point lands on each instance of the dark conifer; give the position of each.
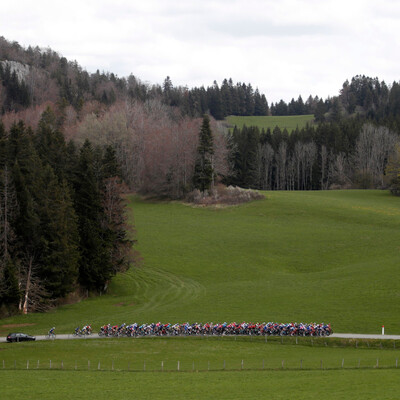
(95, 268)
(204, 173)
(58, 253)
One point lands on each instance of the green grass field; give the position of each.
(290, 122)
(328, 256)
(199, 354)
(50, 385)
(148, 368)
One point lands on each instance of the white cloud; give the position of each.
(285, 48)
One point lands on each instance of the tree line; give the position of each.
(53, 78)
(62, 217)
(349, 154)
(154, 128)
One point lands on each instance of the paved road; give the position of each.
(62, 337)
(335, 335)
(361, 336)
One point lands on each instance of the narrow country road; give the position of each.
(335, 335)
(365, 336)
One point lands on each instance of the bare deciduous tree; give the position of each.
(373, 148)
(281, 160)
(34, 296)
(340, 170)
(155, 147)
(266, 158)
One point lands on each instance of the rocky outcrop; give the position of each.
(20, 69)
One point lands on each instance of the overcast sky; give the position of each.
(283, 47)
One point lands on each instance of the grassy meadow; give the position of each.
(353, 384)
(327, 256)
(225, 367)
(290, 122)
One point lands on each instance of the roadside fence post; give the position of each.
(98, 366)
(178, 365)
(162, 366)
(342, 362)
(377, 363)
(242, 365)
(283, 364)
(27, 364)
(296, 340)
(62, 364)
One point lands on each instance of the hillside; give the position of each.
(326, 256)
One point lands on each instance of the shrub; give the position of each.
(220, 194)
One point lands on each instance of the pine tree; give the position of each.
(58, 253)
(50, 143)
(9, 288)
(215, 102)
(110, 164)
(114, 212)
(95, 267)
(26, 173)
(260, 104)
(203, 172)
(244, 156)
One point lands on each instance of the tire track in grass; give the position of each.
(156, 289)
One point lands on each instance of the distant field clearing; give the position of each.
(290, 122)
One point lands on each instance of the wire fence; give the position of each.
(201, 365)
(311, 341)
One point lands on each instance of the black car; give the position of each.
(19, 337)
